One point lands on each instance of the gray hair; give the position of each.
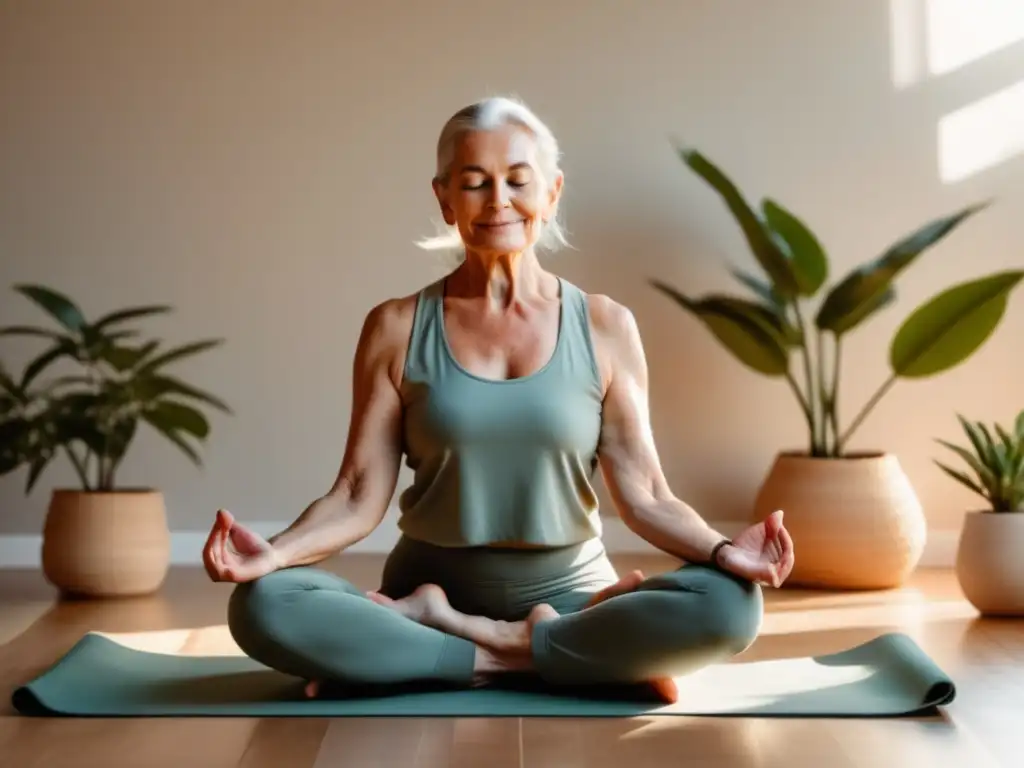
(488, 115)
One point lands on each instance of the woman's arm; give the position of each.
(629, 459)
(358, 500)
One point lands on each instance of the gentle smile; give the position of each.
(500, 224)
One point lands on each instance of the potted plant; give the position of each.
(101, 538)
(855, 519)
(988, 561)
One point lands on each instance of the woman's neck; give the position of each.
(501, 280)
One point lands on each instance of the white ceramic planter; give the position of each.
(990, 562)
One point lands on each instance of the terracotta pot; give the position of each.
(856, 521)
(989, 562)
(106, 544)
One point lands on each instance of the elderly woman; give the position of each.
(505, 387)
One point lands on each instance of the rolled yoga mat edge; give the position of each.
(888, 676)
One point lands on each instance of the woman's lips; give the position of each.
(499, 224)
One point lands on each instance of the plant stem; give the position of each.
(833, 398)
(871, 403)
(823, 397)
(79, 466)
(816, 437)
(803, 406)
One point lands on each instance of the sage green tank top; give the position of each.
(501, 460)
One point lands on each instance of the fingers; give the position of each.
(214, 551)
(788, 557)
(209, 548)
(246, 541)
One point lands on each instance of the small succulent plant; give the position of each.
(996, 459)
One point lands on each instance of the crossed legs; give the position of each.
(428, 605)
(316, 626)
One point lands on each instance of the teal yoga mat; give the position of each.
(888, 676)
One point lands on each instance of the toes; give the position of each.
(542, 612)
(312, 689)
(665, 689)
(380, 599)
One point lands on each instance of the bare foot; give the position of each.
(627, 583)
(514, 656)
(427, 605)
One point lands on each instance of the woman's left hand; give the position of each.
(763, 553)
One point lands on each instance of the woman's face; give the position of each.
(495, 193)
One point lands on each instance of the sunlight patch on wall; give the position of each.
(907, 45)
(981, 135)
(962, 31)
(936, 37)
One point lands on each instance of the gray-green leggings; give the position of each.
(315, 625)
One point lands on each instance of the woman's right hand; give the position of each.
(236, 554)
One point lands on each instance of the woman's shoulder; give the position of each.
(615, 336)
(610, 318)
(392, 317)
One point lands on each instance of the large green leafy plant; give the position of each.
(995, 462)
(772, 326)
(92, 414)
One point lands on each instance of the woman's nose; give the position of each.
(499, 197)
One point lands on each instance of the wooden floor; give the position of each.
(981, 728)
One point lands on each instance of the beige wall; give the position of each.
(264, 166)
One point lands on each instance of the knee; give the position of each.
(256, 608)
(729, 610)
(249, 607)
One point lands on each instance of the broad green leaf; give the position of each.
(808, 259)
(863, 285)
(864, 311)
(157, 386)
(8, 385)
(179, 417)
(950, 327)
(961, 477)
(14, 444)
(760, 288)
(122, 358)
(172, 434)
(177, 353)
(771, 318)
(130, 314)
(56, 304)
(751, 341)
(62, 348)
(767, 252)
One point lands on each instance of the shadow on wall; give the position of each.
(932, 41)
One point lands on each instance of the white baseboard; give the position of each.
(23, 551)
